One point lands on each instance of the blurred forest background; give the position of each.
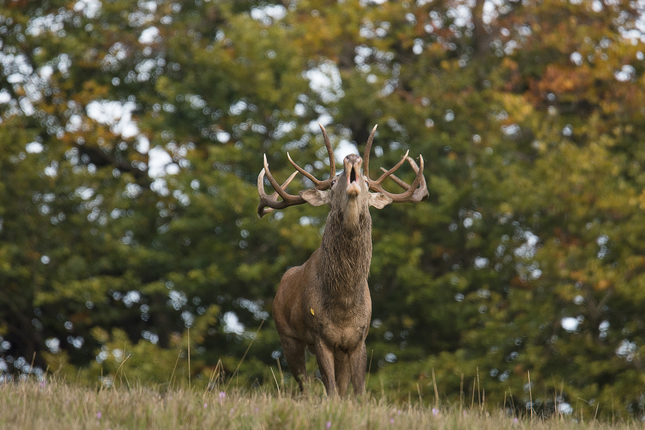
(132, 134)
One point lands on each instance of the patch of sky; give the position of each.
(570, 324)
(256, 307)
(232, 323)
(148, 35)
(268, 14)
(115, 114)
(34, 147)
(527, 250)
(627, 350)
(159, 161)
(177, 299)
(325, 80)
(90, 8)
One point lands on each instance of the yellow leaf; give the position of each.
(602, 284)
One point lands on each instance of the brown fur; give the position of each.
(325, 303)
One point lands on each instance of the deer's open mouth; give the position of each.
(352, 175)
(353, 169)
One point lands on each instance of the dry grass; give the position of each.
(56, 405)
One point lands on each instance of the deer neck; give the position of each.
(346, 253)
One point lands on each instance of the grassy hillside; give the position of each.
(57, 405)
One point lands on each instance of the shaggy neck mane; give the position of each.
(346, 253)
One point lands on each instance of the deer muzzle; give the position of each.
(353, 165)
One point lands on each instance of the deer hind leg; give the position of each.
(343, 375)
(358, 366)
(294, 353)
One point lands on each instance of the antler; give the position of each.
(270, 202)
(414, 193)
(320, 185)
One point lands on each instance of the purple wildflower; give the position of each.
(435, 412)
(328, 424)
(99, 415)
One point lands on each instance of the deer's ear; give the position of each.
(379, 200)
(315, 197)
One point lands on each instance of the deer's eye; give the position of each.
(333, 182)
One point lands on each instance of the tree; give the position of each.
(109, 242)
(530, 181)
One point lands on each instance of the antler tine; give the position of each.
(416, 192)
(413, 193)
(398, 181)
(421, 193)
(270, 202)
(366, 153)
(402, 183)
(264, 198)
(393, 169)
(274, 183)
(330, 151)
(311, 177)
(320, 185)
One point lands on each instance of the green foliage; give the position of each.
(528, 256)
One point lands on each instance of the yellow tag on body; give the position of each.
(312, 311)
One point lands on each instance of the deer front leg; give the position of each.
(325, 358)
(358, 367)
(342, 369)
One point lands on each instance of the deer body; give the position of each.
(325, 303)
(334, 331)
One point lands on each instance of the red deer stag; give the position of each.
(325, 304)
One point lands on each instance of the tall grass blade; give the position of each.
(244, 356)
